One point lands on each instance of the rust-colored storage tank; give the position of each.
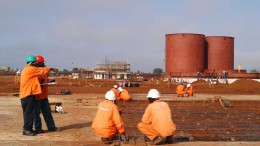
(220, 50)
(184, 53)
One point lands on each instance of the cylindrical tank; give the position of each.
(184, 53)
(220, 52)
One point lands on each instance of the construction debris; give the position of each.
(65, 92)
(223, 101)
(79, 102)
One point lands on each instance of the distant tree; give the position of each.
(254, 71)
(75, 69)
(65, 71)
(157, 71)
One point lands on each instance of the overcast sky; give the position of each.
(87, 32)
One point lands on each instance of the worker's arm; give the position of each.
(117, 120)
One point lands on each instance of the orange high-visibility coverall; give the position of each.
(44, 93)
(157, 120)
(29, 84)
(189, 91)
(107, 121)
(180, 89)
(124, 95)
(116, 93)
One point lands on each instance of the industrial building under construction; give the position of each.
(112, 70)
(188, 54)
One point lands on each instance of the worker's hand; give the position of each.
(120, 112)
(124, 138)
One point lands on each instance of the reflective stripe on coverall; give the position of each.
(107, 121)
(157, 120)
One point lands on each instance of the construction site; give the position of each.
(224, 110)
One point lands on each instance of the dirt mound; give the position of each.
(245, 85)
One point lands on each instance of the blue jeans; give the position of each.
(44, 107)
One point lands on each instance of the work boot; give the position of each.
(29, 133)
(158, 140)
(169, 140)
(39, 131)
(54, 129)
(106, 140)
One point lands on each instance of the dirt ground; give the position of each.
(200, 120)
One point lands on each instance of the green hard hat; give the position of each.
(31, 58)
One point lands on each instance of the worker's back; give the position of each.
(158, 114)
(180, 89)
(107, 120)
(124, 95)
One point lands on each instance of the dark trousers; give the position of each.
(44, 107)
(28, 104)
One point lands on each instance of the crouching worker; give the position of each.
(189, 90)
(107, 122)
(123, 94)
(157, 122)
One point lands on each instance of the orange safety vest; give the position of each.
(107, 120)
(116, 93)
(29, 81)
(44, 80)
(180, 89)
(124, 95)
(158, 115)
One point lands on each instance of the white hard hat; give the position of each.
(120, 89)
(110, 95)
(188, 85)
(115, 86)
(153, 93)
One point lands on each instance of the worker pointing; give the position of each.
(157, 122)
(107, 122)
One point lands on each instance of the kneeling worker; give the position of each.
(107, 122)
(189, 90)
(157, 122)
(123, 94)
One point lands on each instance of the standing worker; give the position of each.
(157, 122)
(180, 90)
(189, 90)
(123, 94)
(42, 103)
(114, 89)
(29, 87)
(107, 122)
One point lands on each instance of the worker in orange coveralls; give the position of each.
(107, 122)
(42, 104)
(189, 90)
(123, 94)
(114, 89)
(157, 122)
(29, 87)
(180, 90)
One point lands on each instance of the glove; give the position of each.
(124, 138)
